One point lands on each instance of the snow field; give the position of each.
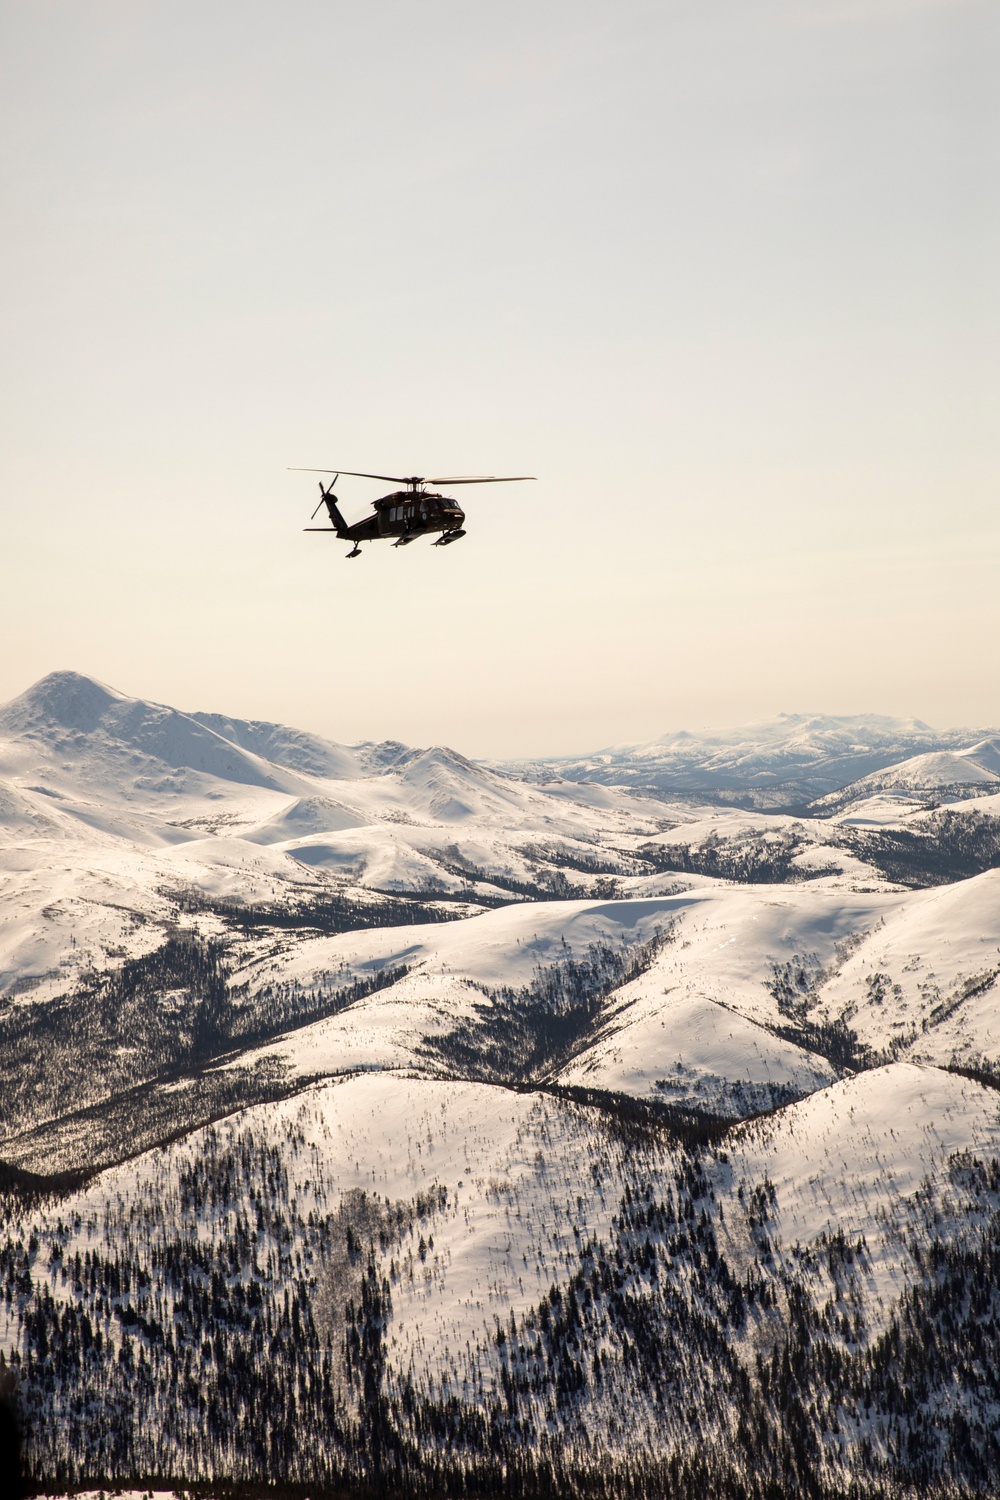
(925, 978)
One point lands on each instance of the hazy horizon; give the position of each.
(706, 732)
(721, 276)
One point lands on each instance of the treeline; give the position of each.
(947, 846)
(550, 883)
(329, 911)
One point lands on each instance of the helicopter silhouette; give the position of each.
(405, 514)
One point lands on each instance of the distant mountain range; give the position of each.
(795, 759)
(787, 761)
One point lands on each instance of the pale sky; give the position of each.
(722, 273)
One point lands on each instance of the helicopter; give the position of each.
(405, 514)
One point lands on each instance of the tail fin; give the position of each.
(339, 524)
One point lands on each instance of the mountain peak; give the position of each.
(65, 699)
(117, 741)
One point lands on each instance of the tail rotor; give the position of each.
(325, 495)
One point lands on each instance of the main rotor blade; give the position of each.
(485, 479)
(353, 474)
(412, 478)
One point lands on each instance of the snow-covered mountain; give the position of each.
(371, 1113)
(923, 780)
(787, 761)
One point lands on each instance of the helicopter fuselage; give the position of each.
(403, 515)
(409, 513)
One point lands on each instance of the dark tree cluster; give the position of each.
(330, 911)
(750, 858)
(520, 1036)
(949, 845)
(549, 884)
(168, 1013)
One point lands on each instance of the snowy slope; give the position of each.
(925, 982)
(294, 749)
(714, 1021)
(718, 1020)
(942, 774)
(148, 773)
(853, 1157)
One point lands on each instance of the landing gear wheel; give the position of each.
(355, 553)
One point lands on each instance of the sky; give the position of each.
(721, 273)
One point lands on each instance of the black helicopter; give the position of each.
(405, 514)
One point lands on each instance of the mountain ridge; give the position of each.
(761, 754)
